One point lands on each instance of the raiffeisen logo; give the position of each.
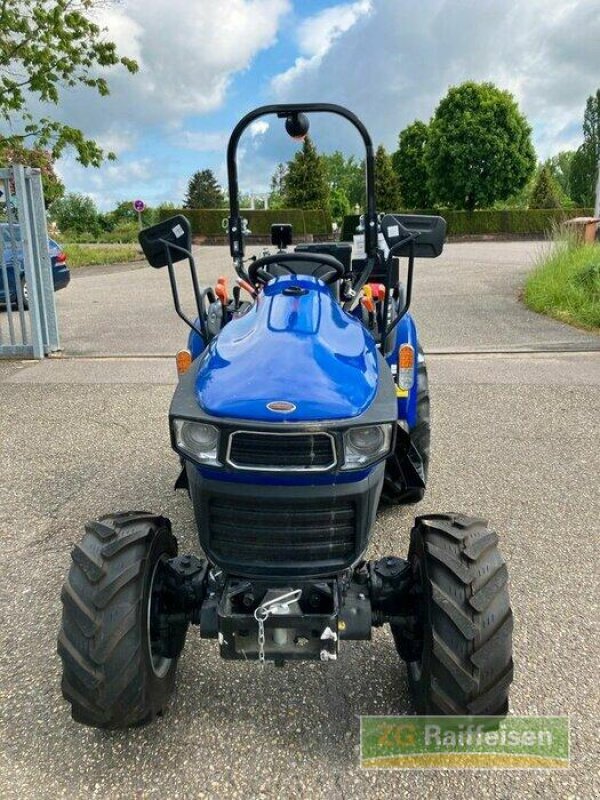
(464, 742)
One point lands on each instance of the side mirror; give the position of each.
(172, 237)
(431, 234)
(281, 236)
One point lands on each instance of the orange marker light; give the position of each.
(406, 367)
(183, 360)
(406, 357)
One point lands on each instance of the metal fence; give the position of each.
(28, 322)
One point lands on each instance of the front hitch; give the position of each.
(256, 620)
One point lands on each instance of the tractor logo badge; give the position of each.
(281, 406)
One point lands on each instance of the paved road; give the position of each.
(515, 438)
(465, 300)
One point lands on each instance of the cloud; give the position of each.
(392, 66)
(202, 141)
(316, 34)
(258, 128)
(188, 54)
(112, 183)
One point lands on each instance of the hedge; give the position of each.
(534, 221)
(317, 221)
(209, 221)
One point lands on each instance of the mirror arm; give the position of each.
(200, 331)
(410, 240)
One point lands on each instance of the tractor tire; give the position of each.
(461, 660)
(111, 676)
(395, 490)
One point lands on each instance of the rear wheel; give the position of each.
(114, 675)
(460, 654)
(404, 468)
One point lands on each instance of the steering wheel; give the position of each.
(335, 269)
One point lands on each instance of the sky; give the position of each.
(204, 64)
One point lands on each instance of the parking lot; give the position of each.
(515, 406)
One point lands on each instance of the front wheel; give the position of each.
(114, 675)
(460, 653)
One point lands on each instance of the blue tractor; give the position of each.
(298, 411)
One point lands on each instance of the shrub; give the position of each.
(209, 222)
(532, 221)
(317, 221)
(566, 283)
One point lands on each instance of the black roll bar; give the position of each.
(236, 238)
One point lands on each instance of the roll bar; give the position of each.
(236, 238)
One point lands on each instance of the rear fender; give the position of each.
(406, 333)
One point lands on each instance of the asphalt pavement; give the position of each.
(515, 439)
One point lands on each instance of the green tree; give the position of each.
(545, 192)
(560, 167)
(479, 147)
(586, 161)
(16, 153)
(410, 165)
(306, 183)
(347, 174)
(339, 204)
(277, 193)
(204, 191)
(76, 213)
(124, 214)
(387, 185)
(47, 46)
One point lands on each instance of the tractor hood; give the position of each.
(295, 345)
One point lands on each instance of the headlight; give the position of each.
(198, 440)
(365, 445)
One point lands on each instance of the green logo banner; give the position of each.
(464, 742)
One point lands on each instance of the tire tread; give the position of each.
(470, 666)
(99, 641)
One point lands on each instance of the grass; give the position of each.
(565, 284)
(86, 255)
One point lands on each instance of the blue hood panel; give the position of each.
(303, 349)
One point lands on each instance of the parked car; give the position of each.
(60, 270)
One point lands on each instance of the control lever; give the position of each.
(247, 286)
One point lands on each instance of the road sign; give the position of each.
(139, 206)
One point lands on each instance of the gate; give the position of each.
(28, 323)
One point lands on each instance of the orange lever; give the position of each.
(250, 289)
(367, 298)
(221, 290)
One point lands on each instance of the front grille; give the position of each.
(252, 531)
(293, 452)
